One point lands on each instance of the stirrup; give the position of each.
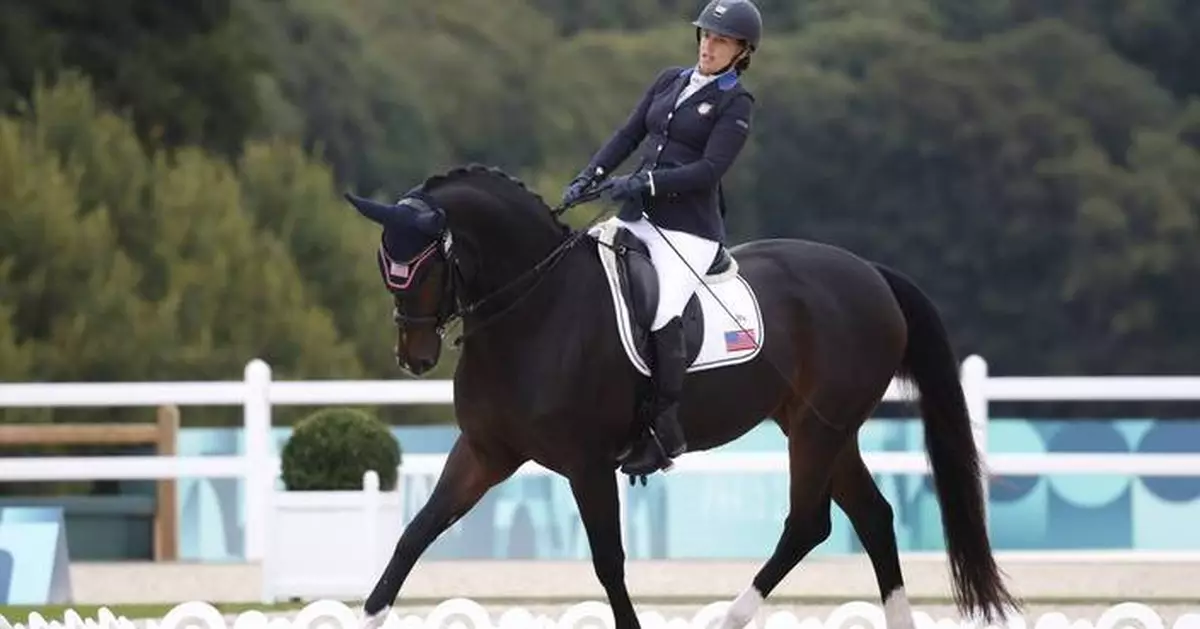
(651, 448)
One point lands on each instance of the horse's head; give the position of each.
(413, 262)
(501, 231)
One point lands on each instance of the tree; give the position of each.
(292, 198)
(1004, 185)
(144, 268)
(184, 71)
(336, 91)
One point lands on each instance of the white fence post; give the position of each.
(974, 383)
(260, 478)
(370, 486)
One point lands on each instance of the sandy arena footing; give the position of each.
(1039, 578)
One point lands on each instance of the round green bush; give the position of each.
(332, 448)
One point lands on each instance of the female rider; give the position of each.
(698, 119)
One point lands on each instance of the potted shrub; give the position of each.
(328, 536)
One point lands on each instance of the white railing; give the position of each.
(258, 393)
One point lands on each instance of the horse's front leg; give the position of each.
(467, 476)
(595, 491)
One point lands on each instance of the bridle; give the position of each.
(450, 306)
(447, 301)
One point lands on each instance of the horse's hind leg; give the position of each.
(813, 446)
(464, 480)
(856, 493)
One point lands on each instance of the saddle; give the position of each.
(722, 322)
(639, 283)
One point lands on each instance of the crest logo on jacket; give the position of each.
(704, 108)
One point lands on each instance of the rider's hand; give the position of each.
(627, 186)
(575, 189)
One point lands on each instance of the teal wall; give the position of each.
(726, 515)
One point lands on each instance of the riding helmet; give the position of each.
(739, 19)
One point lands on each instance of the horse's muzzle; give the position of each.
(415, 367)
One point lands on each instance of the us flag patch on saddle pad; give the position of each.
(738, 340)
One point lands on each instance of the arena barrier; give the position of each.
(467, 614)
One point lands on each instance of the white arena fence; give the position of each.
(257, 393)
(467, 614)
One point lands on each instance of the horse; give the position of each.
(553, 324)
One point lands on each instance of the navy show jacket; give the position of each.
(688, 151)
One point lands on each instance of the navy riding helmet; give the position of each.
(739, 19)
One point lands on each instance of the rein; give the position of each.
(545, 264)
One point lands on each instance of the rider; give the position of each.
(698, 119)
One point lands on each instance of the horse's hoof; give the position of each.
(376, 620)
(742, 610)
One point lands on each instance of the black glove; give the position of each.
(627, 186)
(575, 190)
(579, 185)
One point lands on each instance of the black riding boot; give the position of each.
(670, 367)
(668, 370)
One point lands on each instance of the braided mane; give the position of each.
(458, 173)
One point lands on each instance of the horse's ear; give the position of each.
(429, 220)
(374, 210)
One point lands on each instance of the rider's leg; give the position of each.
(678, 264)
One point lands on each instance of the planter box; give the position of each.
(329, 544)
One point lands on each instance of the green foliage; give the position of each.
(1012, 177)
(331, 449)
(338, 93)
(119, 264)
(472, 62)
(293, 198)
(185, 70)
(579, 110)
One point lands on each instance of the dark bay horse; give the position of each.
(542, 376)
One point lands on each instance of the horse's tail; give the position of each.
(929, 361)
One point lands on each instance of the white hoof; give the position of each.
(376, 620)
(897, 611)
(743, 609)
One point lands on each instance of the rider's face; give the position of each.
(716, 51)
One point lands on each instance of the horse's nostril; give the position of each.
(422, 366)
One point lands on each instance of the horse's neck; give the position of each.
(502, 250)
(561, 307)
(553, 298)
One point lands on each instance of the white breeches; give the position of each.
(676, 282)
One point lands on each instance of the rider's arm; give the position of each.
(724, 144)
(629, 135)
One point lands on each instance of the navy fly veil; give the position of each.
(412, 228)
(398, 275)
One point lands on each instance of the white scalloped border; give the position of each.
(462, 613)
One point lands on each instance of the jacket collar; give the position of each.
(725, 81)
